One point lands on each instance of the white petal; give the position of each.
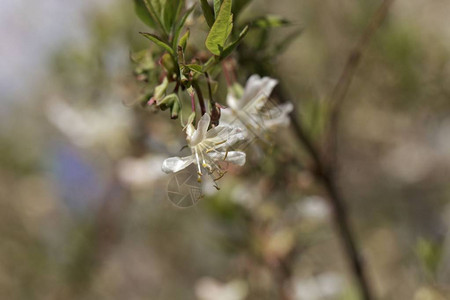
(235, 157)
(202, 128)
(287, 107)
(233, 119)
(257, 87)
(175, 164)
(279, 116)
(225, 136)
(232, 101)
(227, 116)
(190, 130)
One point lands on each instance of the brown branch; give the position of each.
(325, 169)
(340, 218)
(201, 100)
(341, 88)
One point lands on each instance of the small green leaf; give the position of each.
(184, 39)
(270, 21)
(158, 42)
(177, 14)
(181, 24)
(156, 5)
(228, 50)
(169, 9)
(194, 68)
(221, 29)
(217, 5)
(207, 12)
(154, 9)
(143, 14)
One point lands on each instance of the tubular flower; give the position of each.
(251, 111)
(208, 148)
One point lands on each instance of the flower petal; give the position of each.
(232, 101)
(202, 128)
(225, 135)
(235, 157)
(175, 164)
(256, 88)
(278, 116)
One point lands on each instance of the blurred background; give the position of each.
(84, 211)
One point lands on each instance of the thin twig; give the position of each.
(324, 175)
(325, 169)
(201, 100)
(341, 88)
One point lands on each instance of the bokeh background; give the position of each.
(84, 211)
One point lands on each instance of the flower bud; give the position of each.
(160, 90)
(175, 109)
(167, 102)
(168, 63)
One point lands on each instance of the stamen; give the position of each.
(226, 155)
(198, 162)
(220, 176)
(220, 143)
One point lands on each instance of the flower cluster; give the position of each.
(245, 118)
(175, 71)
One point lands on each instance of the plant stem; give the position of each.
(340, 90)
(340, 216)
(201, 100)
(326, 168)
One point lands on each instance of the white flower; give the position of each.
(210, 289)
(251, 110)
(208, 148)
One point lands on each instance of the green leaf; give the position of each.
(143, 14)
(207, 12)
(228, 50)
(217, 5)
(194, 68)
(181, 24)
(158, 42)
(163, 12)
(169, 9)
(177, 14)
(270, 21)
(154, 9)
(156, 4)
(221, 29)
(184, 39)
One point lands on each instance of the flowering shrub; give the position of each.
(245, 116)
(189, 71)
